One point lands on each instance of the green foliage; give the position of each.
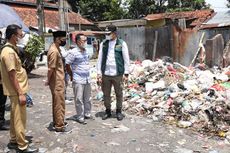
(101, 10)
(35, 46)
(140, 8)
(185, 5)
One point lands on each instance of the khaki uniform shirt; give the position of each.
(10, 61)
(0, 76)
(57, 81)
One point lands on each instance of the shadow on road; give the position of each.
(34, 76)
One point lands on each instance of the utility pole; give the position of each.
(79, 13)
(41, 17)
(61, 15)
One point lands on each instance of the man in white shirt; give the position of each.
(113, 69)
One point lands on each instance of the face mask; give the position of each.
(19, 40)
(84, 45)
(63, 43)
(108, 37)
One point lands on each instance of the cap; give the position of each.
(59, 34)
(111, 28)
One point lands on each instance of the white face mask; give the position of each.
(108, 37)
(19, 40)
(84, 45)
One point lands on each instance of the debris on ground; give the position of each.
(189, 97)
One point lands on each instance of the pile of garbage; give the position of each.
(167, 91)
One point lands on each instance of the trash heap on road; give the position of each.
(188, 97)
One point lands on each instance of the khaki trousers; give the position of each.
(107, 82)
(58, 107)
(18, 123)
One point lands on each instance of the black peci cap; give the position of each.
(59, 34)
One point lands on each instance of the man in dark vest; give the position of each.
(113, 69)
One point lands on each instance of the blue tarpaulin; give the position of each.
(9, 16)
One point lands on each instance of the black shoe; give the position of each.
(4, 127)
(106, 116)
(28, 150)
(89, 117)
(66, 130)
(12, 145)
(66, 124)
(120, 116)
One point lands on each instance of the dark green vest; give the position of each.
(118, 56)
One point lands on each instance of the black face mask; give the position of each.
(63, 43)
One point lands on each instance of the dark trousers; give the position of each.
(117, 83)
(2, 104)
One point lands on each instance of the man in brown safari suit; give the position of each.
(56, 81)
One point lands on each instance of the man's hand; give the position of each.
(125, 78)
(99, 79)
(22, 99)
(46, 83)
(71, 78)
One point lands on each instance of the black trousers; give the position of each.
(2, 104)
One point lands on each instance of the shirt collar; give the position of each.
(15, 47)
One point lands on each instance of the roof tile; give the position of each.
(199, 15)
(29, 16)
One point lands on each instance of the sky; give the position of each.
(218, 5)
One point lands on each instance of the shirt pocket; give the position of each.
(18, 63)
(60, 62)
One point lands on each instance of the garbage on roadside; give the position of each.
(187, 97)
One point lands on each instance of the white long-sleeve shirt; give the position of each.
(111, 69)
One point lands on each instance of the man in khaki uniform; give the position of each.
(15, 85)
(56, 80)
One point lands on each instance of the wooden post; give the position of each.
(61, 14)
(155, 45)
(198, 50)
(41, 17)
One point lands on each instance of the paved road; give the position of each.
(133, 134)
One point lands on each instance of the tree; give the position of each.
(140, 8)
(185, 5)
(99, 10)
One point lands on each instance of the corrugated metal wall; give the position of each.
(140, 41)
(163, 45)
(135, 39)
(171, 41)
